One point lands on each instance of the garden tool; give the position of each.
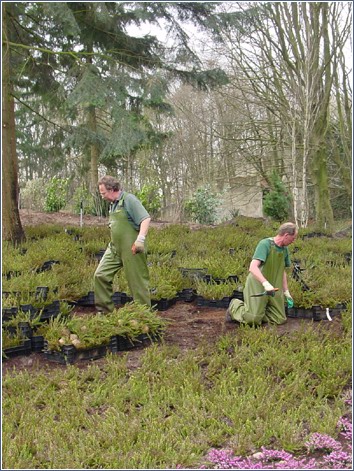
(264, 293)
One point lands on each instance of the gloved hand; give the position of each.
(289, 299)
(269, 288)
(138, 245)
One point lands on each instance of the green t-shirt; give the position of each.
(133, 207)
(263, 248)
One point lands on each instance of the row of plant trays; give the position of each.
(41, 293)
(29, 345)
(25, 348)
(46, 266)
(48, 312)
(316, 313)
(69, 354)
(219, 303)
(120, 298)
(202, 275)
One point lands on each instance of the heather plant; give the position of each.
(165, 281)
(215, 291)
(9, 340)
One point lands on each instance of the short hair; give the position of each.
(287, 228)
(110, 183)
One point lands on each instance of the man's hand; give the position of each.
(268, 287)
(138, 246)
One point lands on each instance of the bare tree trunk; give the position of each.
(324, 212)
(94, 152)
(11, 223)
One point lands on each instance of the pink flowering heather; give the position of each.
(268, 459)
(345, 426)
(294, 463)
(274, 455)
(322, 442)
(225, 459)
(339, 460)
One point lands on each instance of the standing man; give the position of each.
(266, 273)
(129, 222)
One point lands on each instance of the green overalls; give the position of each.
(254, 311)
(118, 255)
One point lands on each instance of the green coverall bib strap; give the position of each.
(254, 310)
(117, 256)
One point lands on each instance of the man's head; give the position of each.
(287, 233)
(109, 188)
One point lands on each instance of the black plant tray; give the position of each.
(47, 265)
(37, 343)
(88, 300)
(124, 298)
(219, 281)
(69, 354)
(11, 274)
(8, 313)
(193, 273)
(23, 327)
(187, 295)
(143, 340)
(163, 304)
(23, 349)
(98, 256)
(316, 313)
(218, 303)
(50, 311)
(117, 298)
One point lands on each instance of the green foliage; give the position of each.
(276, 203)
(56, 194)
(202, 206)
(32, 194)
(215, 291)
(83, 196)
(150, 198)
(9, 340)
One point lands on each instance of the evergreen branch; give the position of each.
(38, 114)
(76, 55)
(42, 49)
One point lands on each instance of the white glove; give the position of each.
(138, 245)
(267, 286)
(287, 294)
